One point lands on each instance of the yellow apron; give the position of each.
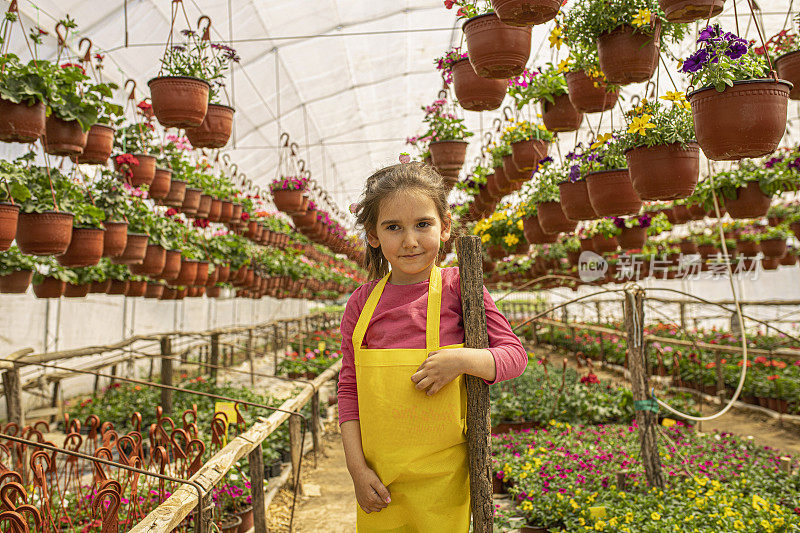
(414, 442)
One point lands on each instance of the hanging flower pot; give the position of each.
(136, 289)
(696, 212)
(9, 215)
(690, 10)
(680, 213)
(215, 131)
(135, 250)
(118, 287)
(788, 259)
(136, 169)
(491, 186)
(288, 201)
(527, 154)
(202, 274)
(213, 292)
(172, 265)
(706, 250)
(587, 97)
(85, 248)
(191, 200)
(49, 288)
(21, 123)
(115, 238)
(602, 244)
(688, 247)
(632, 238)
(788, 67)
(63, 137)
(160, 186)
(153, 290)
(770, 263)
(187, 273)
(513, 174)
(99, 287)
(526, 12)
(750, 202)
(575, 200)
(505, 185)
(155, 258)
(204, 206)
(179, 101)
(664, 172)
(475, 93)
(496, 252)
(627, 56)
(552, 218)
(211, 279)
(307, 220)
(611, 193)
(215, 211)
(746, 120)
(747, 248)
(18, 282)
(561, 115)
(534, 232)
(773, 247)
(99, 144)
(46, 233)
(448, 156)
(496, 50)
(236, 216)
(177, 191)
(80, 290)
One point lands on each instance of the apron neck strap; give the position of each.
(433, 312)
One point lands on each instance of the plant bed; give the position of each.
(215, 131)
(611, 193)
(46, 233)
(496, 50)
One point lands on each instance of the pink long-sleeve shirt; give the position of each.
(399, 322)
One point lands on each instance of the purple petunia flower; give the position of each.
(736, 49)
(795, 165)
(772, 162)
(709, 34)
(619, 222)
(696, 61)
(546, 160)
(644, 221)
(574, 173)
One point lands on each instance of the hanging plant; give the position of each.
(737, 112)
(783, 49)
(446, 133)
(529, 144)
(16, 271)
(589, 90)
(548, 87)
(473, 92)
(287, 193)
(526, 12)
(543, 192)
(608, 183)
(573, 190)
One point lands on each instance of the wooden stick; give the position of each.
(166, 374)
(256, 459)
(478, 417)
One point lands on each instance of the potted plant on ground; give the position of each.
(16, 271)
(663, 157)
(549, 87)
(447, 134)
(473, 92)
(608, 183)
(737, 111)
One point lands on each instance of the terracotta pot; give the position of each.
(788, 67)
(287, 201)
(502, 182)
(795, 227)
(21, 123)
(16, 282)
(706, 250)
(188, 272)
(224, 273)
(775, 221)
(47, 233)
(496, 50)
(308, 220)
(172, 265)
(527, 154)
(215, 211)
(76, 291)
(611, 193)
(526, 12)
(628, 57)
(492, 188)
(136, 289)
(177, 191)
(204, 206)
(512, 172)
(179, 101)
(688, 247)
(664, 172)
(475, 93)
(746, 120)
(773, 248)
(585, 96)
(747, 248)
(247, 515)
(561, 115)
(236, 216)
(63, 137)
(9, 215)
(448, 156)
(211, 279)
(141, 174)
(100, 287)
(99, 144)
(213, 292)
(696, 212)
(202, 274)
(49, 288)
(135, 250)
(534, 232)
(161, 184)
(788, 259)
(215, 131)
(155, 258)
(191, 201)
(118, 288)
(603, 245)
(496, 252)
(153, 290)
(230, 524)
(169, 293)
(115, 238)
(770, 263)
(750, 202)
(85, 248)
(575, 200)
(552, 218)
(681, 214)
(632, 238)
(691, 10)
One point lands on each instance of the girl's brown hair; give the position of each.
(417, 177)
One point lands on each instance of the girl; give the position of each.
(402, 401)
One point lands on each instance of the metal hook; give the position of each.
(294, 148)
(132, 93)
(87, 56)
(206, 31)
(506, 111)
(443, 94)
(235, 170)
(301, 165)
(497, 124)
(62, 39)
(284, 140)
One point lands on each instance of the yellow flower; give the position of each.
(674, 96)
(604, 138)
(655, 516)
(600, 525)
(737, 524)
(485, 238)
(526, 506)
(511, 239)
(563, 65)
(556, 39)
(520, 225)
(642, 18)
(641, 124)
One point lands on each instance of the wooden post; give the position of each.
(166, 373)
(316, 426)
(646, 413)
(13, 391)
(720, 378)
(274, 349)
(295, 436)
(478, 417)
(599, 314)
(54, 402)
(251, 356)
(256, 460)
(214, 356)
(683, 316)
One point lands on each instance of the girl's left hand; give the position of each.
(440, 368)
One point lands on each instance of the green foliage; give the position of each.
(12, 260)
(136, 138)
(544, 84)
(24, 82)
(443, 126)
(14, 177)
(655, 124)
(544, 185)
(518, 131)
(110, 196)
(72, 97)
(49, 268)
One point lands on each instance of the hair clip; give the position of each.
(405, 157)
(353, 207)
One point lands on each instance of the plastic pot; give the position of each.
(49, 288)
(575, 200)
(611, 193)
(587, 98)
(204, 206)
(16, 282)
(188, 272)
(215, 210)
(115, 238)
(135, 250)
(527, 154)
(21, 123)
(177, 190)
(201, 277)
(632, 238)
(526, 12)
(215, 131)
(85, 248)
(773, 247)
(191, 201)
(179, 101)
(552, 218)
(691, 10)
(63, 137)
(118, 288)
(788, 67)
(628, 57)
(161, 184)
(141, 174)
(496, 50)
(750, 202)
(561, 115)
(534, 232)
(155, 258)
(448, 156)
(287, 201)
(9, 215)
(99, 287)
(136, 289)
(664, 172)
(603, 244)
(475, 93)
(76, 291)
(154, 290)
(47, 233)
(99, 144)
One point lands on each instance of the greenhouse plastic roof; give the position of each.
(345, 79)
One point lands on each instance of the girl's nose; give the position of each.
(409, 239)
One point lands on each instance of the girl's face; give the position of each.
(409, 233)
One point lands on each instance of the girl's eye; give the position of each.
(392, 227)
(424, 224)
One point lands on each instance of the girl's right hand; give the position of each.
(371, 494)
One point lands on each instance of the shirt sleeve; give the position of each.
(347, 389)
(510, 358)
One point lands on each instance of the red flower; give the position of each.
(73, 65)
(711, 365)
(449, 3)
(773, 377)
(200, 223)
(171, 212)
(461, 12)
(245, 216)
(589, 379)
(144, 105)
